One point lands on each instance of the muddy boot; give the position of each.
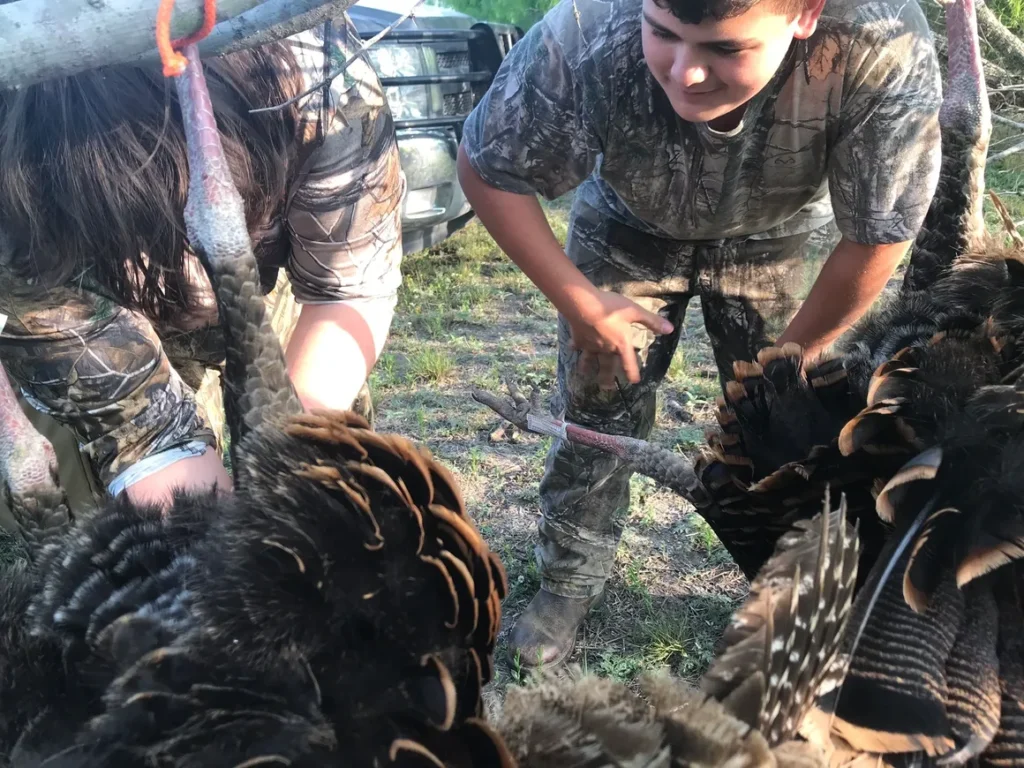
(545, 633)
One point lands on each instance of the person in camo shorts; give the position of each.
(111, 322)
(773, 157)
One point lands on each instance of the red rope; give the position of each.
(174, 63)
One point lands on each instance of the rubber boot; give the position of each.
(545, 633)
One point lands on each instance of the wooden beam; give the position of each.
(44, 39)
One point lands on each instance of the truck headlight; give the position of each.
(406, 101)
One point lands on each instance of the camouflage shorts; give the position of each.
(749, 290)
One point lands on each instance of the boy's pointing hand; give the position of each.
(601, 329)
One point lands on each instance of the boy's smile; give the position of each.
(710, 70)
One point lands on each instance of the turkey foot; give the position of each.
(657, 463)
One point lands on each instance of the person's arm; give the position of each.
(188, 474)
(102, 372)
(346, 233)
(851, 279)
(539, 130)
(883, 169)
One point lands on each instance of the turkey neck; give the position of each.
(955, 220)
(965, 109)
(256, 384)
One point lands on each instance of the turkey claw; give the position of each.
(516, 412)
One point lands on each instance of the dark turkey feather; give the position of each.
(113, 565)
(346, 556)
(972, 676)
(976, 471)
(1007, 747)
(191, 704)
(32, 684)
(761, 492)
(893, 696)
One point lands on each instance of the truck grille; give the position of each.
(464, 63)
(450, 62)
(458, 104)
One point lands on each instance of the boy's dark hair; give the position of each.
(696, 11)
(94, 173)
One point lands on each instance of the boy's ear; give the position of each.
(807, 21)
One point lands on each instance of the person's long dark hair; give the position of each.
(94, 173)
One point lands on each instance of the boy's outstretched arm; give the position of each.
(600, 320)
(851, 279)
(883, 169)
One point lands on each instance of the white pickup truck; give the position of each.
(434, 67)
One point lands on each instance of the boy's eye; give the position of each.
(664, 34)
(726, 50)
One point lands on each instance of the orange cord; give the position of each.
(174, 63)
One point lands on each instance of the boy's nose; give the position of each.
(688, 70)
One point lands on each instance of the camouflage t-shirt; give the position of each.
(124, 386)
(851, 115)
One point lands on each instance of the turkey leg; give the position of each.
(28, 470)
(657, 463)
(965, 108)
(955, 221)
(256, 384)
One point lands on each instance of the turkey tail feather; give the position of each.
(782, 644)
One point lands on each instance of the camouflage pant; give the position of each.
(749, 290)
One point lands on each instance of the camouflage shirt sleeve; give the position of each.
(541, 126)
(344, 216)
(884, 165)
(100, 370)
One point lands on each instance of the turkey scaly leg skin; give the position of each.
(660, 464)
(965, 109)
(215, 221)
(28, 472)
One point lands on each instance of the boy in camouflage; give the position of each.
(715, 146)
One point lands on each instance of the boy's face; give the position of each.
(709, 70)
